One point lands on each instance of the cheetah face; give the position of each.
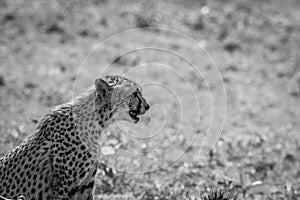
(132, 107)
(124, 96)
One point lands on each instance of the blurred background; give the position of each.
(251, 51)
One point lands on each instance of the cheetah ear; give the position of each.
(102, 88)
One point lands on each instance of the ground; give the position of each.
(253, 44)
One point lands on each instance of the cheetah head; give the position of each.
(123, 96)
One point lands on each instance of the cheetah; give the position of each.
(59, 160)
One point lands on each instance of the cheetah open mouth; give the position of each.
(134, 115)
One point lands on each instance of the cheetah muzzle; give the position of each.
(135, 114)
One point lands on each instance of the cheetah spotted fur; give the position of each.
(60, 159)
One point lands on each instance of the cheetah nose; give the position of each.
(147, 106)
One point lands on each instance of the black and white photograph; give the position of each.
(150, 100)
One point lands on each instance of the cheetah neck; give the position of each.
(91, 120)
(88, 108)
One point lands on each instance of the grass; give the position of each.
(255, 46)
